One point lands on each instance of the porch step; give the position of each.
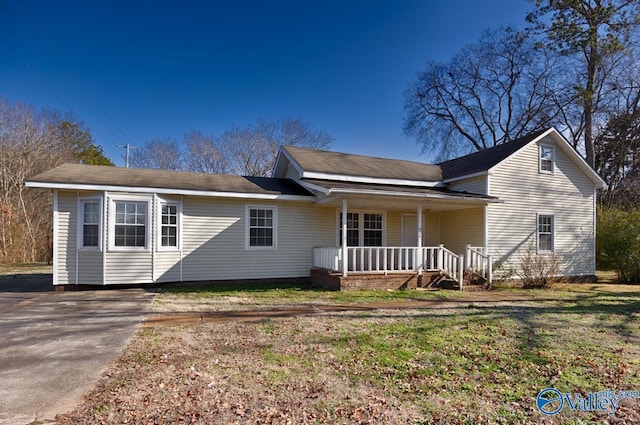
(467, 287)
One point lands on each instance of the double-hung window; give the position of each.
(546, 225)
(89, 229)
(353, 229)
(546, 160)
(363, 229)
(372, 234)
(261, 228)
(169, 222)
(130, 224)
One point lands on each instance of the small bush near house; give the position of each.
(537, 270)
(618, 242)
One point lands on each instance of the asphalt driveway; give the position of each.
(55, 345)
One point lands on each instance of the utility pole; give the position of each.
(126, 158)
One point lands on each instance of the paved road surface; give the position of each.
(55, 345)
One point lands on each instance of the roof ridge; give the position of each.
(359, 154)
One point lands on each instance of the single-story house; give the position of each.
(343, 216)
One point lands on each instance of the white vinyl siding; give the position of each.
(214, 240)
(461, 227)
(128, 268)
(476, 185)
(67, 237)
(567, 194)
(89, 267)
(167, 266)
(75, 264)
(431, 235)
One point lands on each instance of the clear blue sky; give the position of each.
(135, 70)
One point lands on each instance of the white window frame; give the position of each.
(361, 228)
(247, 227)
(553, 233)
(552, 160)
(80, 223)
(159, 204)
(112, 223)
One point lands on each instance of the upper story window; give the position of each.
(130, 224)
(547, 159)
(89, 218)
(261, 228)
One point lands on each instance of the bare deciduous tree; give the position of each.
(249, 150)
(493, 91)
(31, 142)
(252, 150)
(204, 154)
(162, 154)
(618, 142)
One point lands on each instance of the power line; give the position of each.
(101, 114)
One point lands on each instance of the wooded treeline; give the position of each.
(33, 141)
(576, 67)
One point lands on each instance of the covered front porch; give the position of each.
(409, 240)
(399, 265)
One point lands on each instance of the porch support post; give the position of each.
(419, 255)
(345, 255)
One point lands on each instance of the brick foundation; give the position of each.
(334, 281)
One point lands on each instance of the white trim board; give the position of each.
(164, 191)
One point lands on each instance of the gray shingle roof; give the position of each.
(483, 160)
(337, 163)
(98, 175)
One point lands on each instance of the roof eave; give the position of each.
(168, 191)
(566, 148)
(461, 197)
(371, 180)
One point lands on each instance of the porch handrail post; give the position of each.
(461, 270)
(490, 270)
(345, 255)
(467, 256)
(419, 254)
(440, 264)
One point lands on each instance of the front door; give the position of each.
(410, 230)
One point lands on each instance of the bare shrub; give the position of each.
(537, 270)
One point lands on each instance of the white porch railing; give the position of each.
(391, 259)
(477, 261)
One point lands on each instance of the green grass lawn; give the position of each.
(460, 361)
(27, 268)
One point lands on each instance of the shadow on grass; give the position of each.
(604, 305)
(250, 286)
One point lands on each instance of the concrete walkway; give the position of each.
(55, 345)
